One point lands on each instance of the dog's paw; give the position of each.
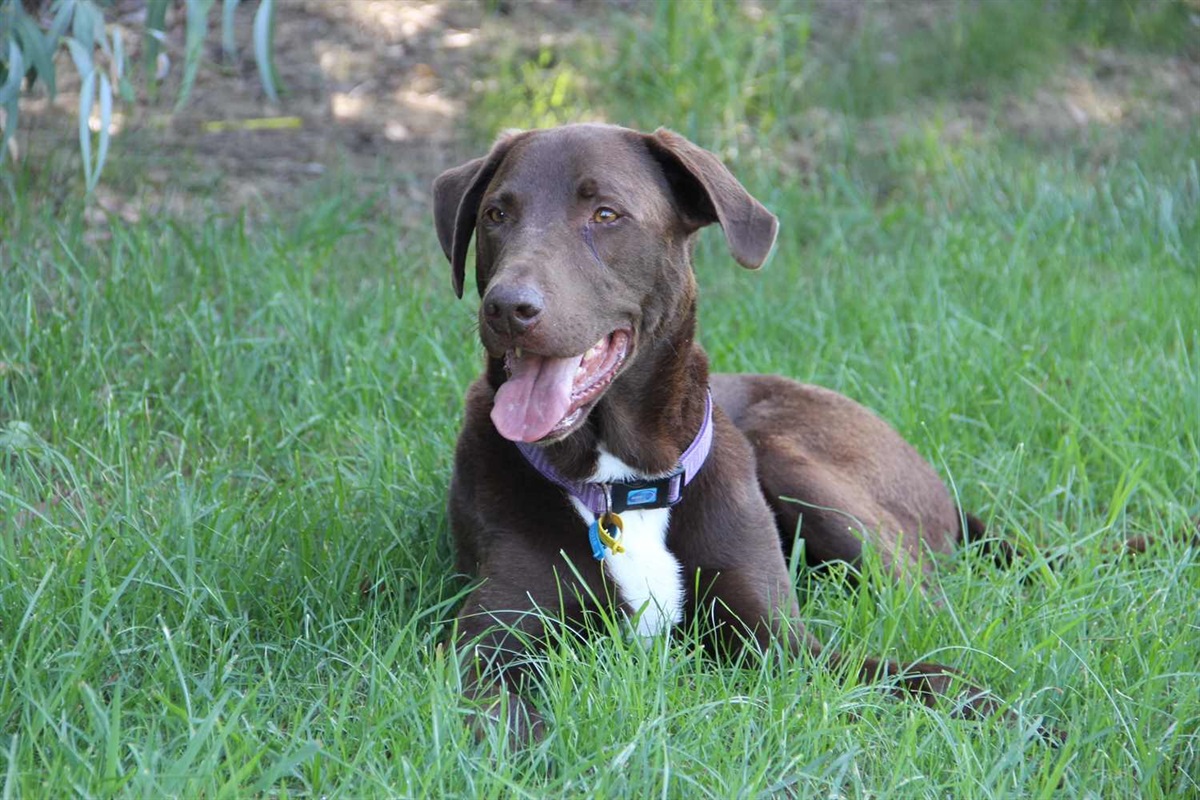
(512, 716)
(935, 683)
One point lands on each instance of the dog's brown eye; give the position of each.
(496, 215)
(605, 214)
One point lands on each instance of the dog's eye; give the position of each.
(604, 215)
(496, 215)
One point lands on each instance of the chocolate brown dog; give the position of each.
(600, 463)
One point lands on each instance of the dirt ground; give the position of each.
(379, 89)
(374, 89)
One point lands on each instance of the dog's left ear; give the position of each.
(707, 192)
(456, 196)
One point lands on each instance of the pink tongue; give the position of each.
(535, 398)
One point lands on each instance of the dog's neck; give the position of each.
(652, 412)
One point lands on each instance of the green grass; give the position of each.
(721, 68)
(224, 563)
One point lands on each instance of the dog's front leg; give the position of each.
(749, 608)
(498, 643)
(503, 629)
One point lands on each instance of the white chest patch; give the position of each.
(647, 575)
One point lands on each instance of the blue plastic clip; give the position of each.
(594, 540)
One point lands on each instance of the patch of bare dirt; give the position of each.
(377, 90)
(1109, 89)
(1093, 100)
(373, 89)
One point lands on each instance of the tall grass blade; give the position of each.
(286, 765)
(112, 743)
(10, 775)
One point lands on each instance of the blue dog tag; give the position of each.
(641, 497)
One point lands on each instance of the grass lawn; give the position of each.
(224, 449)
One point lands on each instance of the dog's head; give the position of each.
(583, 242)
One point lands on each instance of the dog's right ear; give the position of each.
(456, 196)
(709, 193)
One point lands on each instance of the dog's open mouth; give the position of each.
(546, 397)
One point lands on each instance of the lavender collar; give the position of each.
(642, 495)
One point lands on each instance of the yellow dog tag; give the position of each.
(606, 532)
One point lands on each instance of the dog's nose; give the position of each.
(512, 309)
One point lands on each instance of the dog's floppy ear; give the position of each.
(707, 192)
(456, 196)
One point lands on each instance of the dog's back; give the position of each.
(837, 475)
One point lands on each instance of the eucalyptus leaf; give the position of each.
(35, 50)
(12, 111)
(264, 26)
(197, 26)
(106, 104)
(118, 55)
(87, 98)
(10, 92)
(156, 18)
(29, 44)
(58, 26)
(83, 25)
(81, 55)
(16, 71)
(228, 18)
